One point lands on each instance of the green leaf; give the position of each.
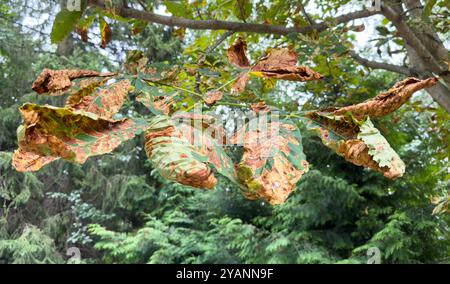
(428, 8)
(178, 9)
(64, 23)
(379, 148)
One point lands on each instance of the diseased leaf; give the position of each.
(273, 160)
(359, 142)
(72, 135)
(105, 103)
(441, 205)
(279, 63)
(240, 83)
(389, 101)
(207, 136)
(56, 82)
(153, 98)
(105, 32)
(174, 157)
(29, 162)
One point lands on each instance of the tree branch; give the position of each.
(380, 65)
(411, 39)
(231, 26)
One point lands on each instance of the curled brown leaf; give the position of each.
(389, 101)
(237, 53)
(54, 82)
(280, 63)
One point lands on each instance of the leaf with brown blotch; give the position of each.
(207, 135)
(72, 135)
(280, 63)
(24, 161)
(212, 97)
(105, 103)
(83, 32)
(389, 101)
(174, 157)
(359, 142)
(237, 54)
(157, 101)
(55, 82)
(273, 161)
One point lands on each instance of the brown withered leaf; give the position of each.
(55, 82)
(389, 101)
(273, 161)
(237, 54)
(212, 97)
(280, 63)
(104, 103)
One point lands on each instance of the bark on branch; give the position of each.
(380, 65)
(228, 25)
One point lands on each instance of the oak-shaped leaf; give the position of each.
(273, 160)
(358, 141)
(58, 82)
(50, 132)
(389, 101)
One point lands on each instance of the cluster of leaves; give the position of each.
(338, 213)
(269, 169)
